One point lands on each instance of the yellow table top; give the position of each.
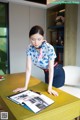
(66, 106)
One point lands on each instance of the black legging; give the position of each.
(59, 76)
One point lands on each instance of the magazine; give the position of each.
(32, 100)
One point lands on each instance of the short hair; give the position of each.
(36, 29)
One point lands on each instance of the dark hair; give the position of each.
(36, 29)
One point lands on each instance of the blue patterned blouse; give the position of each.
(47, 51)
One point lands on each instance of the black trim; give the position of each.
(36, 1)
(7, 4)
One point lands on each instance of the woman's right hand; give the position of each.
(20, 89)
(51, 91)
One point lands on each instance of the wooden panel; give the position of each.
(70, 34)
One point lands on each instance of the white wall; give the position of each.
(21, 19)
(78, 39)
(38, 17)
(19, 27)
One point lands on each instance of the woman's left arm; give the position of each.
(51, 75)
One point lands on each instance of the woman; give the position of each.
(42, 54)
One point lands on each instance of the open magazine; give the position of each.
(32, 100)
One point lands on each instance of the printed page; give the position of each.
(34, 100)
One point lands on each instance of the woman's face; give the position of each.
(36, 40)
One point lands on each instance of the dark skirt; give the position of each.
(59, 76)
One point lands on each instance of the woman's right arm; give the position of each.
(28, 73)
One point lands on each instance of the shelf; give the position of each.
(55, 32)
(58, 46)
(56, 27)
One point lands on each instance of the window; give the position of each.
(4, 38)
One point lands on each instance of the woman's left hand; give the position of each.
(51, 91)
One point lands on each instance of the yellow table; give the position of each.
(66, 106)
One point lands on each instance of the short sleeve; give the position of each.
(28, 51)
(51, 53)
